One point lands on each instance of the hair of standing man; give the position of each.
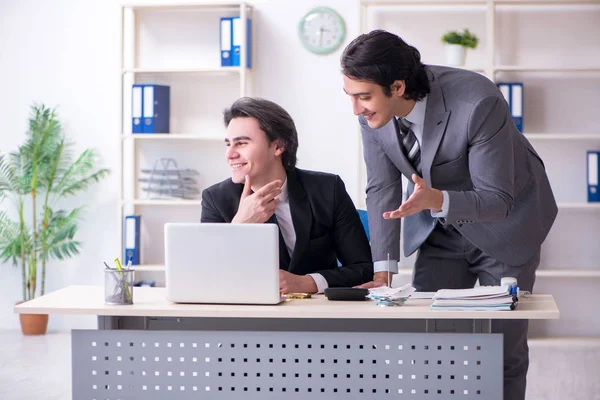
(383, 58)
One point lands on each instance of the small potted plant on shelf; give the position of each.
(35, 177)
(456, 45)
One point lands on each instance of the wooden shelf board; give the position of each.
(162, 202)
(216, 70)
(169, 136)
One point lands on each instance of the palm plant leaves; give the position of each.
(43, 166)
(59, 236)
(15, 174)
(10, 240)
(80, 174)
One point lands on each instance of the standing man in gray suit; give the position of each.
(479, 202)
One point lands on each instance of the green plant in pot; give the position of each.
(34, 179)
(456, 43)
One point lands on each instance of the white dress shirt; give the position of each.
(417, 119)
(286, 225)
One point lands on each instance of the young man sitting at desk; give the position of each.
(317, 220)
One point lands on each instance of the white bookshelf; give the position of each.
(162, 202)
(192, 70)
(540, 273)
(563, 136)
(176, 44)
(552, 47)
(170, 136)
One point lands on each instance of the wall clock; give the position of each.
(322, 30)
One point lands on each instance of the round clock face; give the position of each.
(322, 30)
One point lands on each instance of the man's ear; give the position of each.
(398, 88)
(279, 147)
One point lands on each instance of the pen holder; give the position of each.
(118, 287)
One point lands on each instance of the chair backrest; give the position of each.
(365, 222)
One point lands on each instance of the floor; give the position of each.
(38, 367)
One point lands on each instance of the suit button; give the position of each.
(460, 225)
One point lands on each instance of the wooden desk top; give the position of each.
(151, 302)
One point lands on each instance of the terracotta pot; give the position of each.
(33, 324)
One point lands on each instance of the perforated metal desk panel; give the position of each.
(154, 349)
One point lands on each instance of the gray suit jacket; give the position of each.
(500, 197)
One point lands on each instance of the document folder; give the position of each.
(225, 36)
(237, 39)
(132, 239)
(593, 170)
(513, 93)
(136, 109)
(156, 109)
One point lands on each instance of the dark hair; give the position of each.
(273, 120)
(382, 58)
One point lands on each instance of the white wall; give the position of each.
(66, 53)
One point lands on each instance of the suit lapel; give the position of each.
(391, 142)
(301, 217)
(436, 120)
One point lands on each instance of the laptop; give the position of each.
(222, 263)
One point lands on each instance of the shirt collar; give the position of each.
(417, 115)
(284, 196)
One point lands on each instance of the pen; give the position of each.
(388, 272)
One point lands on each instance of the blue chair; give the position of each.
(365, 222)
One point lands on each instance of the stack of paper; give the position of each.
(482, 298)
(386, 296)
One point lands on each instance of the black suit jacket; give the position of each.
(325, 220)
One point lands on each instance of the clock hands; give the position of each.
(320, 33)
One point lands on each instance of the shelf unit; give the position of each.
(540, 273)
(176, 45)
(168, 136)
(561, 74)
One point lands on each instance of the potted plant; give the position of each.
(35, 178)
(456, 43)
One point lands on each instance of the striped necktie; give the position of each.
(408, 143)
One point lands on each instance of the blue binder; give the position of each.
(593, 170)
(156, 109)
(513, 93)
(225, 37)
(131, 237)
(136, 108)
(236, 34)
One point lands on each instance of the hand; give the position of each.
(379, 279)
(292, 283)
(423, 198)
(257, 207)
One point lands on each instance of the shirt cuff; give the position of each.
(445, 206)
(320, 282)
(384, 266)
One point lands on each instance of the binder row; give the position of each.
(513, 93)
(150, 108)
(231, 41)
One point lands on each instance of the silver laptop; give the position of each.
(222, 263)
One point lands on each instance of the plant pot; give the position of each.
(455, 55)
(33, 324)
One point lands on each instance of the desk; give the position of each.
(155, 349)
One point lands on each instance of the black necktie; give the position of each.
(284, 255)
(408, 143)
